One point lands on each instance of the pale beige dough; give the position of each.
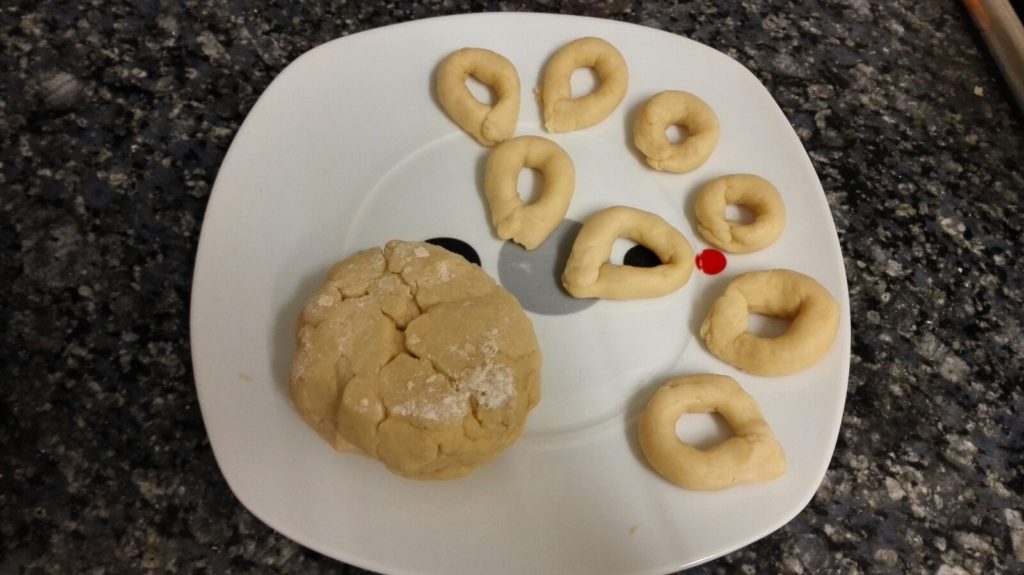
(588, 273)
(528, 225)
(749, 191)
(679, 109)
(751, 455)
(784, 294)
(489, 125)
(562, 113)
(414, 356)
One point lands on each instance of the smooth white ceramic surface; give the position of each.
(347, 149)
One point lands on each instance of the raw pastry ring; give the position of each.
(785, 294)
(562, 113)
(588, 273)
(751, 455)
(488, 124)
(528, 225)
(752, 192)
(679, 109)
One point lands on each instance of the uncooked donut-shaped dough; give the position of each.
(528, 225)
(488, 124)
(752, 454)
(562, 113)
(784, 294)
(678, 109)
(749, 191)
(414, 356)
(588, 273)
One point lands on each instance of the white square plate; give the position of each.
(346, 149)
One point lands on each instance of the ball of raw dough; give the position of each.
(414, 356)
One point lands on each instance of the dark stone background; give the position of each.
(114, 117)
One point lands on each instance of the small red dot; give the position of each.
(710, 261)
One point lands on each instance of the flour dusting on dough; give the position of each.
(452, 406)
(491, 384)
(435, 364)
(443, 273)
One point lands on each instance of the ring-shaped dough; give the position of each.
(674, 108)
(749, 191)
(562, 113)
(752, 454)
(528, 225)
(488, 124)
(588, 273)
(785, 294)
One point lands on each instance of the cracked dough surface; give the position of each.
(414, 356)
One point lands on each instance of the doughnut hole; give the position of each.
(583, 82)
(739, 214)
(640, 256)
(743, 207)
(766, 326)
(529, 184)
(620, 247)
(629, 253)
(482, 92)
(702, 430)
(676, 133)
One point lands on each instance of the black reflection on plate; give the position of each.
(458, 247)
(640, 257)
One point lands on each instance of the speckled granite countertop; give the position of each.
(114, 117)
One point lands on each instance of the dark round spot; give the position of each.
(640, 257)
(457, 247)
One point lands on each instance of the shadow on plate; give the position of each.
(627, 131)
(636, 405)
